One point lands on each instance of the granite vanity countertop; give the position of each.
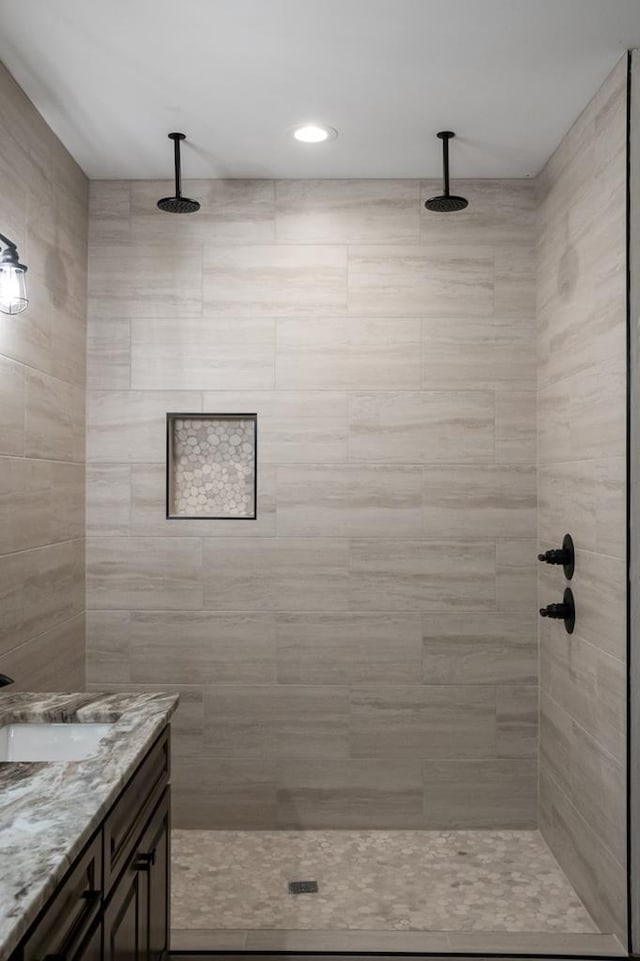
(49, 810)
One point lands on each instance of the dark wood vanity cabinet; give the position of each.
(113, 904)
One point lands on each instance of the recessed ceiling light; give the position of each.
(314, 133)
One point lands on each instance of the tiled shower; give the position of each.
(366, 689)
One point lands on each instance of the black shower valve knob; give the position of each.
(564, 611)
(556, 611)
(554, 556)
(564, 555)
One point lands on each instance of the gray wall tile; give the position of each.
(389, 392)
(346, 648)
(423, 722)
(503, 792)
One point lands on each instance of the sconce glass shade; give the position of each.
(13, 288)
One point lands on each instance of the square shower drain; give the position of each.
(303, 887)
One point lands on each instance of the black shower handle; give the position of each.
(565, 611)
(564, 555)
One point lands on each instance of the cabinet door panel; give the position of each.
(69, 915)
(128, 816)
(125, 925)
(154, 846)
(91, 950)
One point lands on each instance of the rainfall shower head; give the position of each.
(446, 202)
(178, 204)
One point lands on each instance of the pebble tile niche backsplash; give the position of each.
(212, 466)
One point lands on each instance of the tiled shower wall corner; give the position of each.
(364, 654)
(44, 203)
(582, 478)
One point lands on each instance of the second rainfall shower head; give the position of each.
(446, 202)
(178, 204)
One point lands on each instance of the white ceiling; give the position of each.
(113, 77)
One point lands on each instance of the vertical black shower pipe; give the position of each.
(177, 137)
(445, 136)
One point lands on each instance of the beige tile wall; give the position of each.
(365, 653)
(44, 209)
(581, 449)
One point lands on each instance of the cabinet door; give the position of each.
(70, 914)
(153, 851)
(92, 947)
(125, 919)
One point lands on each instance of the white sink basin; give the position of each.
(50, 741)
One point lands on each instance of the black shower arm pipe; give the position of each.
(177, 137)
(445, 137)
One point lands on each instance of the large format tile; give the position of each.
(202, 354)
(517, 720)
(350, 500)
(275, 573)
(231, 211)
(478, 352)
(348, 353)
(205, 646)
(131, 426)
(583, 416)
(358, 793)
(347, 211)
(294, 426)
(514, 281)
(40, 589)
(109, 212)
(579, 850)
(567, 503)
(516, 562)
(480, 501)
(107, 647)
(611, 506)
(600, 586)
(109, 353)
(144, 573)
(12, 407)
(41, 502)
(588, 684)
(422, 427)
(145, 281)
(423, 722)
(499, 212)
(214, 793)
(263, 721)
(485, 648)
(346, 648)
(108, 499)
(25, 503)
(51, 661)
(503, 792)
(420, 281)
(586, 773)
(516, 439)
(420, 575)
(272, 281)
(54, 418)
(67, 502)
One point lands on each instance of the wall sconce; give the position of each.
(13, 287)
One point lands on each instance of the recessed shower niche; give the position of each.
(211, 466)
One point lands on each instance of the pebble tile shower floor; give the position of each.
(394, 881)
